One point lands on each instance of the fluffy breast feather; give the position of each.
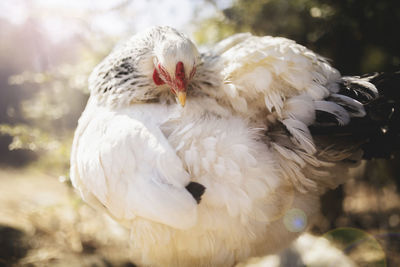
(241, 210)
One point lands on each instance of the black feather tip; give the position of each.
(196, 190)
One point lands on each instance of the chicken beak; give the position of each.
(181, 96)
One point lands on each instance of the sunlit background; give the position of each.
(49, 47)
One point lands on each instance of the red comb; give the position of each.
(180, 70)
(180, 76)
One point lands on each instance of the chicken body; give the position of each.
(243, 134)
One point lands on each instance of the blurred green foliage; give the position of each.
(357, 35)
(355, 241)
(43, 100)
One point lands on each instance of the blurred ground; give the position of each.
(43, 222)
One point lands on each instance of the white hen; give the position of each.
(242, 138)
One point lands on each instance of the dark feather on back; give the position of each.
(379, 129)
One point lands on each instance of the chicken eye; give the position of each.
(160, 75)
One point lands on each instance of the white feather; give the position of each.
(110, 157)
(300, 135)
(300, 108)
(340, 113)
(353, 107)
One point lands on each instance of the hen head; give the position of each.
(175, 60)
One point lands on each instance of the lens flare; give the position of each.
(360, 246)
(295, 220)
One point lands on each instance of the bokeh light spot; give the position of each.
(394, 220)
(295, 220)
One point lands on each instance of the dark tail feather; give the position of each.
(384, 113)
(379, 129)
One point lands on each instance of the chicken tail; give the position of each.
(376, 126)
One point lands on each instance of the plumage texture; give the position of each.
(260, 138)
